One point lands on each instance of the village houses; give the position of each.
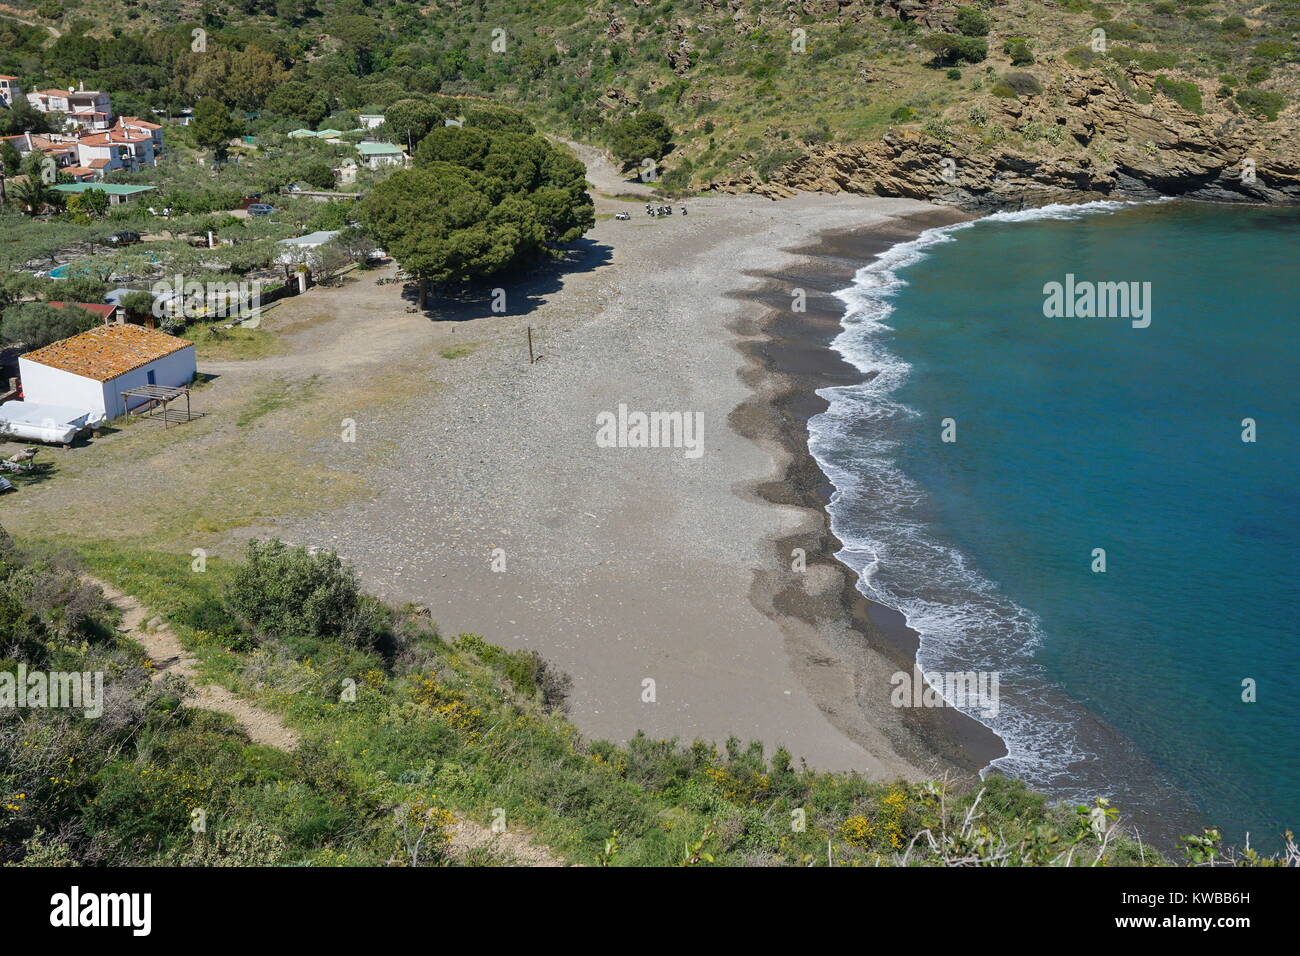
(129, 145)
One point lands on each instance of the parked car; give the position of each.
(260, 209)
(124, 238)
(621, 215)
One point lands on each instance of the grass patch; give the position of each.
(215, 344)
(277, 396)
(459, 351)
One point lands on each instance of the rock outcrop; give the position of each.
(1091, 140)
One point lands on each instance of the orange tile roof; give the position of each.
(107, 351)
(114, 137)
(135, 121)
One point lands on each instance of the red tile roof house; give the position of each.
(63, 149)
(116, 149)
(80, 174)
(89, 109)
(133, 124)
(110, 314)
(9, 90)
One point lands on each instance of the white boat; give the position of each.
(54, 424)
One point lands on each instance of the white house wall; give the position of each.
(52, 386)
(169, 371)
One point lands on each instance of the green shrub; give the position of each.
(1261, 104)
(774, 160)
(973, 22)
(949, 49)
(939, 129)
(290, 594)
(1149, 60)
(816, 134)
(1120, 30)
(1183, 92)
(1018, 49)
(1275, 50)
(1258, 74)
(1082, 56)
(528, 671)
(678, 178)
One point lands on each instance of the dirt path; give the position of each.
(12, 14)
(164, 648)
(512, 846)
(604, 175)
(170, 658)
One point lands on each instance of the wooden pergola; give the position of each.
(158, 397)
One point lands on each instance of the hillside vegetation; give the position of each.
(401, 731)
(757, 91)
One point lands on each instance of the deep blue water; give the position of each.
(1080, 433)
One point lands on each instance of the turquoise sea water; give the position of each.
(1074, 434)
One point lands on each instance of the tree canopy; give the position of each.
(478, 202)
(409, 121)
(35, 324)
(213, 125)
(640, 137)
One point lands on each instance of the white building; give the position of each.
(10, 90)
(379, 155)
(299, 251)
(91, 370)
(133, 124)
(89, 109)
(117, 148)
(370, 120)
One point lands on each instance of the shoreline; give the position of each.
(791, 356)
(788, 357)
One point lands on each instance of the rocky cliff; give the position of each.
(1088, 136)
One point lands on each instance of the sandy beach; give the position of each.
(661, 582)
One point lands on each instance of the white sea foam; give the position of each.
(964, 622)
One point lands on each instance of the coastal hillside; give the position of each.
(984, 104)
(347, 732)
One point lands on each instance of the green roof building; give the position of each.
(376, 155)
(117, 192)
